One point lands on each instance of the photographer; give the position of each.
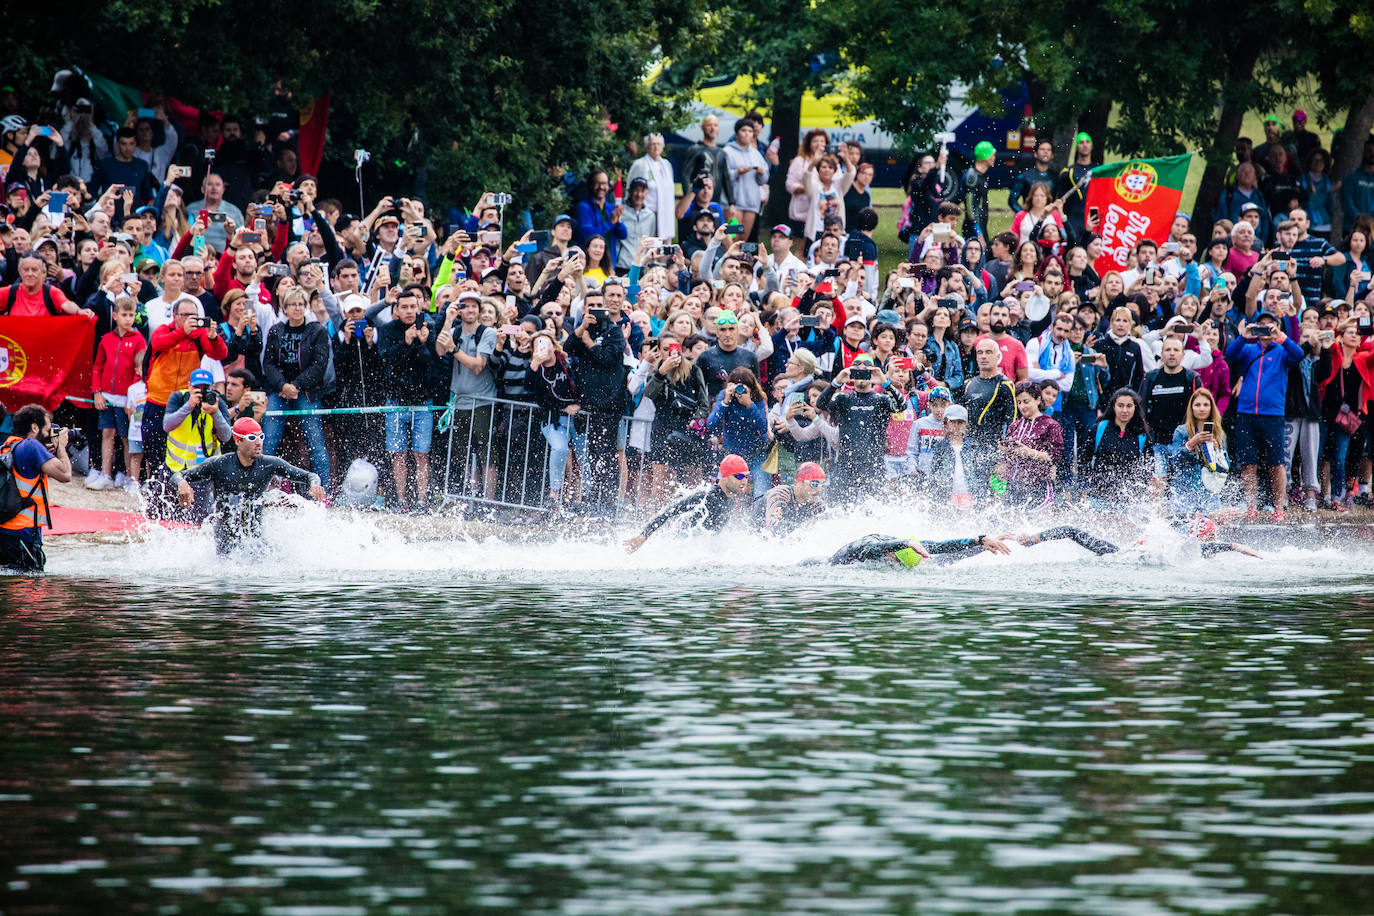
(861, 416)
(196, 424)
(178, 349)
(599, 350)
(38, 451)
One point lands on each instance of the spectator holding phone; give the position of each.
(1265, 354)
(748, 175)
(1345, 369)
(221, 211)
(123, 170)
(1198, 456)
(861, 416)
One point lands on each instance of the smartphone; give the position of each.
(860, 374)
(1092, 213)
(1170, 248)
(57, 202)
(542, 347)
(183, 171)
(1150, 273)
(1024, 286)
(218, 216)
(129, 279)
(359, 327)
(1207, 427)
(1265, 330)
(672, 348)
(734, 229)
(510, 330)
(540, 237)
(749, 248)
(526, 248)
(830, 272)
(252, 238)
(906, 282)
(811, 321)
(1183, 328)
(668, 251)
(147, 113)
(949, 302)
(259, 225)
(1327, 336)
(42, 130)
(264, 210)
(1280, 264)
(903, 362)
(491, 238)
(717, 284)
(1365, 328)
(279, 270)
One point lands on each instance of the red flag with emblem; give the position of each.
(1134, 200)
(46, 360)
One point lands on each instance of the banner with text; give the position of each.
(45, 360)
(1134, 200)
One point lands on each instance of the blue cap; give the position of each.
(563, 216)
(939, 391)
(146, 208)
(201, 377)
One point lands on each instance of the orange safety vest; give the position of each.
(34, 490)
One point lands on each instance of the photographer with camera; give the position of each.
(196, 424)
(36, 451)
(861, 416)
(178, 349)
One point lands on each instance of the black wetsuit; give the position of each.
(238, 492)
(779, 511)
(876, 547)
(709, 508)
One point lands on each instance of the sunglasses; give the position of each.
(744, 476)
(814, 484)
(249, 437)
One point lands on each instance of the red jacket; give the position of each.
(116, 362)
(224, 276)
(1363, 363)
(175, 355)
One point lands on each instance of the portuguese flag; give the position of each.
(1135, 200)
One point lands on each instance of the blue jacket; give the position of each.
(1264, 386)
(952, 370)
(593, 221)
(1357, 193)
(743, 430)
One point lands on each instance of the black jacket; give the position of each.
(307, 369)
(405, 366)
(358, 368)
(978, 463)
(600, 369)
(1124, 362)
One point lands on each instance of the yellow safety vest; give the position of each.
(192, 442)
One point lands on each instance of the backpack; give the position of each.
(13, 296)
(11, 500)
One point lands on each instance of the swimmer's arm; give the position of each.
(290, 471)
(955, 545)
(1213, 548)
(202, 471)
(687, 503)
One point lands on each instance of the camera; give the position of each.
(76, 439)
(741, 390)
(279, 270)
(666, 251)
(501, 200)
(210, 398)
(860, 375)
(699, 182)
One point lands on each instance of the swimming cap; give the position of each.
(984, 150)
(245, 426)
(732, 465)
(810, 470)
(1202, 528)
(908, 557)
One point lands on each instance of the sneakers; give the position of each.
(1310, 504)
(132, 489)
(96, 480)
(121, 480)
(1337, 506)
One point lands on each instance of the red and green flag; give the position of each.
(1136, 199)
(314, 124)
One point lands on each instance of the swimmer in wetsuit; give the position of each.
(788, 506)
(239, 478)
(710, 508)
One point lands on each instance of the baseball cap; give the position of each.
(810, 470)
(639, 183)
(388, 218)
(956, 412)
(967, 326)
(984, 150)
(491, 272)
(246, 426)
(201, 377)
(354, 301)
(940, 391)
(732, 465)
(469, 294)
(1263, 315)
(563, 217)
(45, 240)
(1247, 207)
(146, 208)
(726, 318)
(782, 229)
(143, 264)
(1300, 116)
(489, 224)
(855, 319)
(888, 316)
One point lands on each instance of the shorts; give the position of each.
(114, 418)
(409, 431)
(1259, 440)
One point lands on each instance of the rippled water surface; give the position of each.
(475, 727)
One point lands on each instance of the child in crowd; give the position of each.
(118, 364)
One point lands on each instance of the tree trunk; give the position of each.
(1063, 143)
(1358, 121)
(786, 126)
(1093, 122)
(1239, 75)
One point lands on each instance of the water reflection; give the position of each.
(423, 744)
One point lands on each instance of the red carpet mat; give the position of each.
(86, 521)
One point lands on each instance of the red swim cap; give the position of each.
(810, 470)
(245, 426)
(732, 465)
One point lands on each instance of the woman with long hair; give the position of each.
(825, 186)
(801, 204)
(1316, 183)
(1198, 443)
(942, 348)
(1025, 266)
(1111, 293)
(296, 358)
(740, 418)
(1032, 450)
(550, 379)
(1350, 281)
(678, 391)
(1120, 459)
(172, 224)
(1039, 211)
(1341, 384)
(598, 262)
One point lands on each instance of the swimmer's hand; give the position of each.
(635, 543)
(185, 495)
(995, 543)
(1241, 548)
(919, 548)
(317, 493)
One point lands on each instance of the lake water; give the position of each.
(441, 727)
